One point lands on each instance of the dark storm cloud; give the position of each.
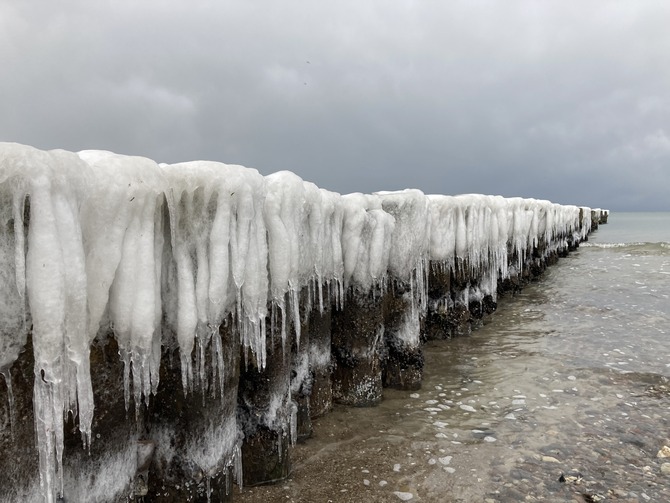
(567, 101)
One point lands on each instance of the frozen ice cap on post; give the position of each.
(219, 258)
(367, 231)
(442, 211)
(586, 221)
(304, 241)
(290, 258)
(470, 227)
(325, 222)
(286, 221)
(52, 272)
(123, 236)
(14, 165)
(410, 242)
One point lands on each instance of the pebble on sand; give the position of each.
(403, 496)
(445, 460)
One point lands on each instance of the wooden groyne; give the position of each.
(168, 331)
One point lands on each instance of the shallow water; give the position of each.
(563, 395)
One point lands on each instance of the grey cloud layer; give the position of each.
(568, 101)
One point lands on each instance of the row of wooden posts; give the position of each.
(346, 354)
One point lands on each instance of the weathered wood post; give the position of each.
(358, 327)
(438, 324)
(357, 342)
(403, 362)
(406, 307)
(320, 361)
(266, 412)
(301, 376)
(195, 435)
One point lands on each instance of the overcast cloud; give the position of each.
(561, 100)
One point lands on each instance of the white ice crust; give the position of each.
(163, 255)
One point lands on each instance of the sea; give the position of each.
(563, 395)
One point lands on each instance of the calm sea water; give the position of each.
(613, 296)
(562, 396)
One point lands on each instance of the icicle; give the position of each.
(78, 393)
(281, 304)
(238, 469)
(45, 282)
(156, 342)
(135, 366)
(280, 451)
(47, 407)
(294, 423)
(13, 330)
(217, 358)
(10, 398)
(320, 288)
(294, 305)
(18, 204)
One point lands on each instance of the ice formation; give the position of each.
(366, 240)
(410, 242)
(122, 223)
(482, 232)
(164, 255)
(217, 260)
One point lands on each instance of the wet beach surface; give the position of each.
(558, 397)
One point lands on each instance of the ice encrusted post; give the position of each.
(326, 227)
(320, 360)
(216, 289)
(468, 252)
(265, 411)
(193, 436)
(358, 328)
(406, 301)
(301, 376)
(358, 339)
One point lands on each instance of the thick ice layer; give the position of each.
(410, 242)
(326, 220)
(217, 259)
(367, 231)
(411, 234)
(13, 329)
(483, 232)
(56, 289)
(291, 257)
(122, 220)
(163, 255)
(304, 226)
(473, 229)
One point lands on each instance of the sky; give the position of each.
(566, 100)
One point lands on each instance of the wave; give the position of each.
(638, 247)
